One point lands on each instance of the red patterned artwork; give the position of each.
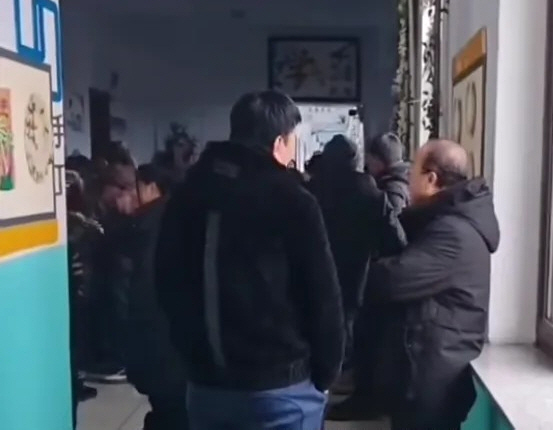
(7, 173)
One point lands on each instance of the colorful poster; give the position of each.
(27, 143)
(7, 168)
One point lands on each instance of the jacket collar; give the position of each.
(150, 212)
(417, 217)
(246, 157)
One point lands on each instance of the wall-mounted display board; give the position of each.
(27, 177)
(320, 123)
(469, 99)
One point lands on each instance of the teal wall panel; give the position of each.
(34, 342)
(486, 415)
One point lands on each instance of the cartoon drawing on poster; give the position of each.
(27, 141)
(39, 149)
(7, 180)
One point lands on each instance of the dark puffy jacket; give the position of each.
(438, 291)
(395, 183)
(153, 365)
(83, 237)
(245, 273)
(360, 226)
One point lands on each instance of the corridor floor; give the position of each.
(120, 407)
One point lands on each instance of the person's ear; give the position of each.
(433, 179)
(280, 141)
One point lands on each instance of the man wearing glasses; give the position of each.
(438, 287)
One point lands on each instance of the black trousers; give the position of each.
(168, 411)
(349, 347)
(367, 333)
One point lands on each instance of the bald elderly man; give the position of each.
(438, 290)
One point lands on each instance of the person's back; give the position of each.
(112, 270)
(353, 209)
(361, 224)
(153, 365)
(83, 235)
(247, 278)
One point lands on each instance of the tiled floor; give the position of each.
(120, 407)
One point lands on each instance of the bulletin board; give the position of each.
(27, 177)
(321, 122)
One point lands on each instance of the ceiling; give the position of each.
(297, 13)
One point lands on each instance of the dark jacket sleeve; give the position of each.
(397, 190)
(420, 269)
(391, 235)
(322, 302)
(169, 255)
(397, 197)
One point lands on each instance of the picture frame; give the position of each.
(27, 89)
(469, 99)
(316, 69)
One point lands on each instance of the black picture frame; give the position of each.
(347, 90)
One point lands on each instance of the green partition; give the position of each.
(486, 414)
(34, 338)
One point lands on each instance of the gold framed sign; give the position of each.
(469, 99)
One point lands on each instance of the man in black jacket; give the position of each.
(246, 275)
(439, 288)
(153, 365)
(112, 269)
(357, 219)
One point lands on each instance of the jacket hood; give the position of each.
(473, 201)
(228, 171)
(397, 172)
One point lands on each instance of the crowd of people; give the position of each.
(238, 293)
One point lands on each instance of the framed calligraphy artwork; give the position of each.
(316, 69)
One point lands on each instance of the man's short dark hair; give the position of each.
(152, 174)
(259, 118)
(387, 147)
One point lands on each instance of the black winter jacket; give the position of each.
(153, 365)
(360, 225)
(245, 273)
(438, 289)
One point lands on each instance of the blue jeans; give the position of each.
(297, 407)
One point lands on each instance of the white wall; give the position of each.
(78, 55)
(518, 166)
(193, 73)
(513, 153)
